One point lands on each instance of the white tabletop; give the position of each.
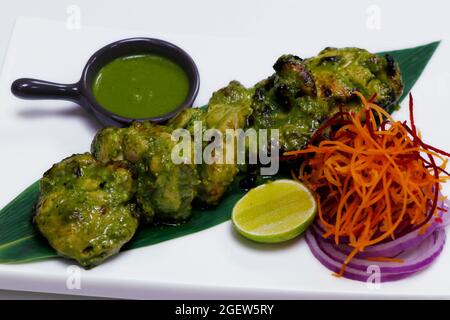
(333, 21)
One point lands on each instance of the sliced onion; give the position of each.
(398, 245)
(359, 270)
(416, 250)
(444, 213)
(414, 259)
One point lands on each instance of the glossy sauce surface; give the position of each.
(141, 86)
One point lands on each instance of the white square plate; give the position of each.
(214, 263)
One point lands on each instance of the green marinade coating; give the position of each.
(228, 108)
(84, 208)
(164, 190)
(302, 94)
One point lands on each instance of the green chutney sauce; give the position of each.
(141, 86)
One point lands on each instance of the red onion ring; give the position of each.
(414, 259)
(416, 250)
(433, 244)
(394, 247)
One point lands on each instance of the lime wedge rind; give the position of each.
(275, 212)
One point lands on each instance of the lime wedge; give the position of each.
(274, 212)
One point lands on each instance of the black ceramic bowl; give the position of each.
(81, 92)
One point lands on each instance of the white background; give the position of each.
(337, 23)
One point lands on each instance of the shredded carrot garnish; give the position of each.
(385, 259)
(374, 177)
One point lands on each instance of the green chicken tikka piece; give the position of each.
(84, 208)
(165, 190)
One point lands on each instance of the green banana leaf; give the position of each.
(19, 241)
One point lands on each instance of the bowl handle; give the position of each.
(26, 88)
